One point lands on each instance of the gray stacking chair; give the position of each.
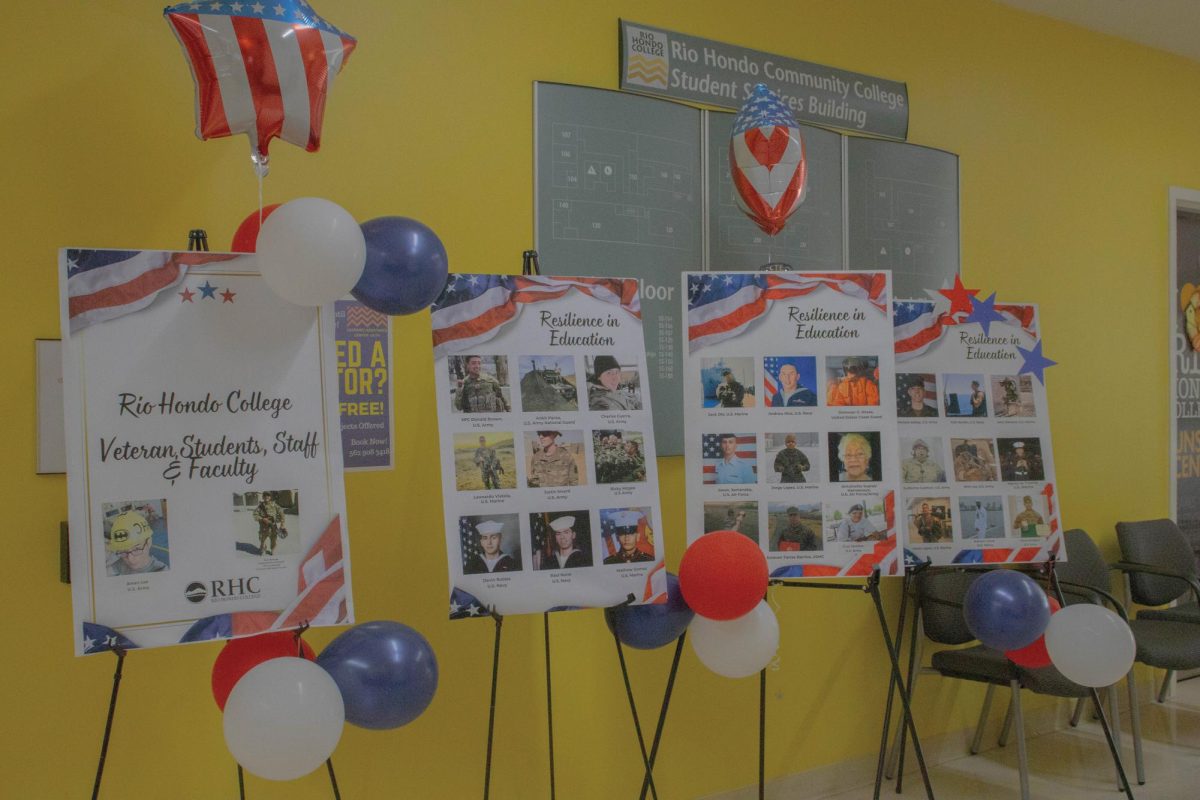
(939, 595)
(1160, 568)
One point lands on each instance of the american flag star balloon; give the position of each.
(261, 68)
(767, 161)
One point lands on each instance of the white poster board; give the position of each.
(549, 476)
(787, 438)
(192, 392)
(976, 462)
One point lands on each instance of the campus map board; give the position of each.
(204, 459)
(976, 462)
(549, 475)
(788, 440)
(632, 185)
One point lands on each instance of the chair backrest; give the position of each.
(1084, 565)
(1157, 543)
(940, 594)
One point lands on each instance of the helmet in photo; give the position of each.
(129, 530)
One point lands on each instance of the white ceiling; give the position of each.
(1171, 25)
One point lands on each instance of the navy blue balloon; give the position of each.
(1006, 610)
(647, 627)
(387, 672)
(406, 266)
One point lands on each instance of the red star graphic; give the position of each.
(959, 296)
(186, 294)
(227, 296)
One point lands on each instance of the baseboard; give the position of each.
(834, 778)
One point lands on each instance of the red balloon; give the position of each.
(723, 575)
(239, 656)
(245, 238)
(1034, 656)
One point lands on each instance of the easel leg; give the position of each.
(487, 768)
(112, 708)
(549, 700)
(333, 779)
(662, 713)
(873, 588)
(637, 725)
(887, 709)
(762, 732)
(914, 655)
(241, 784)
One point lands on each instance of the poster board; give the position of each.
(192, 391)
(364, 369)
(787, 440)
(549, 470)
(976, 461)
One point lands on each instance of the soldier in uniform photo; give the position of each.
(855, 388)
(566, 555)
(978, 400)
(552, 465)
(929, 527)
(604, 388)
(730, 393)
(1028, 520)
(855, 527)
(790, 462)
(1019, 465)
(479, 392)
(493, 559)
(920, 468)
(626, 526)
(488, 463)
(913, 403)
(618, 460)
(731, 468)
(269, 517)
(797, 536)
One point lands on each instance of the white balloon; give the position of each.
(1090, 645)
(738, 647)
(311, 251)
(284, 718)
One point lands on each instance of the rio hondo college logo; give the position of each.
(646, 59)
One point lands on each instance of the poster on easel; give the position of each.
(204, 467)
(549, 475)
(787, 438)
(975, 459)
(364, 369)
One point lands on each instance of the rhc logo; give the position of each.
(222, 589)
(646, 61)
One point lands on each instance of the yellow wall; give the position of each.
(1068, 141)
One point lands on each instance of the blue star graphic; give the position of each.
(207, 290)
(1035, 363)
(984, 312)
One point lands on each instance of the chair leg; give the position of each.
(1166, 685)
(1135, 724)
(1080, 704)
(983, 717)
(1008, 721)
(1019, 724)
(1114, 713)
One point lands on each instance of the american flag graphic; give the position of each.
(468, 539)
(608, 531)
(722, 305)
(106, 284)
(919, 324)
(464, 605)
(710, 453)
(323, 596)
(767, 160)
(473, 309)
(263, 68)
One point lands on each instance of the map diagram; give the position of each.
(903, 213)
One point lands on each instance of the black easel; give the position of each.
(112, 708)
(897, 680)
(910, 573)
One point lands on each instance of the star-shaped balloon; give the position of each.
(263, 69)
(984, 312)
(1035, 363)
(767, 161)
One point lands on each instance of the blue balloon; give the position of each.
(1006, 610)
(387, 672)
(646, 627)
(406, 266)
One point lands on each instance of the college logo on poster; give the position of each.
(646, 60)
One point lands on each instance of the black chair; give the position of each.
(939, 595)
(1160, 568)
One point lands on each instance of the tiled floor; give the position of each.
(1072, 764)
